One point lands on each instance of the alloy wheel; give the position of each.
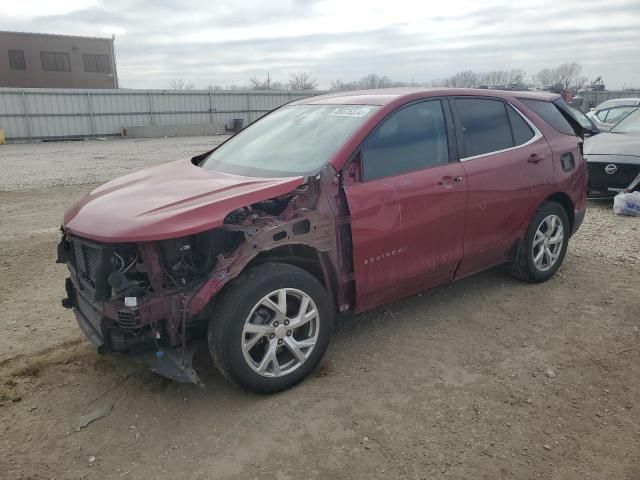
(280, 332)
(548, 242)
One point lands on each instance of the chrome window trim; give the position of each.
(537, 135)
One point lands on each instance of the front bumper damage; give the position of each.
(153, 300)
(175, 363)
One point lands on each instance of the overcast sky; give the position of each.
(227, 42)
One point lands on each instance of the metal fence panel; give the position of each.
(593, 99)
(37, 113)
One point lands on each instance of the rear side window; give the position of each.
(412, 138)
(522, 132)
(485, 125)
(551, 114)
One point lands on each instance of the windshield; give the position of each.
(294, 140)
(629, 124)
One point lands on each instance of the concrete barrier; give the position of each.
(155, 131)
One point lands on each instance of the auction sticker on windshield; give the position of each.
(354, 111)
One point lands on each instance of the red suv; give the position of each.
(328, 204)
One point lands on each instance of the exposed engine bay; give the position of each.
(154, 299)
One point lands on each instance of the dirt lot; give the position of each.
(483, 379)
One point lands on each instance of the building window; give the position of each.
(55, 61)
(96, 63)
(16, 60)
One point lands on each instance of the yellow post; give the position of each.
(2, 139)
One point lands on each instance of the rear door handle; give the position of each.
(536, 157)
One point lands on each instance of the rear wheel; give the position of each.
(544, 245)
(270, 328)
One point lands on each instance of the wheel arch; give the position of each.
(558, 197)
(565, 201)
(305, 257)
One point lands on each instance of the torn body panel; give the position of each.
(154, 299)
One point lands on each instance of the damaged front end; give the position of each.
(154, 299)
(133, 298)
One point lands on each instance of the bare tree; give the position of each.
(568, 74)
(260, 84)
(227, 87)
(516, 77)
(370, 81)
(546, 77)
(578, 83)
(563, 77)
(375, 81)
(302, 81)
(180, 84)
(466, 79)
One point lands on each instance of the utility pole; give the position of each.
(268, 81)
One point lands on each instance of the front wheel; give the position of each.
(270, 327)
(544, 245)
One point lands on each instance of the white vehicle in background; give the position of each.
(608, 113)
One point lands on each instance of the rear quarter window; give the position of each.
(522, 132)
(551, 114)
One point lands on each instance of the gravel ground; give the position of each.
(485, 378)
(48, 164)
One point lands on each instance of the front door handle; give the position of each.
(536, 157)
(446, 181)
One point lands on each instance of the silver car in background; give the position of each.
(608, 113)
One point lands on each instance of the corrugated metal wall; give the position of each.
(34, 113)
(593, 99)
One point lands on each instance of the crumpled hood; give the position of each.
(613, 144)
(168, 201)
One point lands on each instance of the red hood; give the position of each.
(168, 201)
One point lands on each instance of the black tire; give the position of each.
(234, 306)
(523, 265)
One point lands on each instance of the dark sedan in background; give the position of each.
(613, 158)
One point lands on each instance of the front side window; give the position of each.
(96, 63)
(485, 125)
(412, 138)
(16, 60)
(55, 61)
(292, 141)
(602, 114)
